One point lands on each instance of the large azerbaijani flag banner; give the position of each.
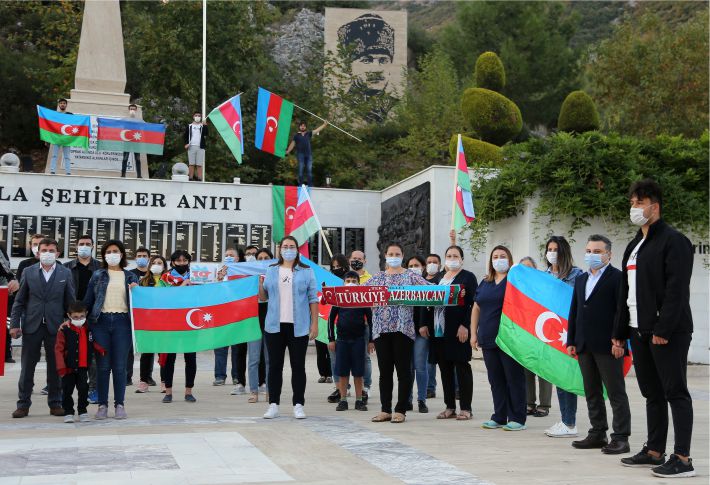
(533, 327)
(463, 208)
(227, 119)
(273, 123)
(122, 135)
(195, 318)
(284, 200)
(323, 278)
(63, 129)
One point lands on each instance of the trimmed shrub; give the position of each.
(493, 116)
(489, 72)
(578, 113)
(478, 153)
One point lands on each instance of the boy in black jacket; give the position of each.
(350, 345)
(73, 349)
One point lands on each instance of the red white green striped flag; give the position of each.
(284, 201)
(463, 203)
(195, 318)
(273, 123)
(305, 222)
(227, 118)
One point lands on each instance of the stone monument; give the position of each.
(99, 84)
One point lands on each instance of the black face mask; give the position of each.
(356, 264)
(181, 268)
(339, 272)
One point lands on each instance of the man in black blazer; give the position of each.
(46, 290)
(591, 321)
(654, 310)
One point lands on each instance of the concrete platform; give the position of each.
(222, 439)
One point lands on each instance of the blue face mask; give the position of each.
(394, 262)
(83, 251)
(289, 254)
(594, 261)
(142, 262)
(228, 259)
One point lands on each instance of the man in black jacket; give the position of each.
(654, 310)
(591, 321)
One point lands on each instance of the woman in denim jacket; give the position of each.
(291, 320)
(107, 299)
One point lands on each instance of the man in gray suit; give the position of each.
(46, 290)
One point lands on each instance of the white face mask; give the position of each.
(113, 259)
(197, 119)
(416, 270)
(393, 262)
(501, 265)
(350, 284)
(47, 259)
(551, 257)
(156, 269)
(454, 264)
(35, 250)
(249, 258)
(637, 217)
(84, 251)
(432, 268)
(132, 113)
(78, 323)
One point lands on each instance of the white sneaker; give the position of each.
(298, 412)
(84, 418)
(272, 412)
(263, 389)
(68, 418)
(366, 390)
(560, 430)
(238, 390)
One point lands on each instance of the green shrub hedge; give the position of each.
(489, 72)
(478, 153)
(578, 113)
(493, 116)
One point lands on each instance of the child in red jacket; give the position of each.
(72, 352)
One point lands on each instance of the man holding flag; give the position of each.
(62, 128)
(132, 112)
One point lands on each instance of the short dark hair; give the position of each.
(197, 113)
(251, 247)
(143, 249)
(351, 274)
(395, 244)
(302, 123)
(37, 236)
(458, 248)
(604, 239)
(85, 236)
(47, 241)
(341, 260)
(418, 258)
(76, 307)
(267, 251)
(434, 255)
(62, 99)
(647, 188)
(180, 252)
(132, 106)
(121, 248)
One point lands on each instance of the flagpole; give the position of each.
(456, 167)
(204, 70)
(331, 124)
(315, 216)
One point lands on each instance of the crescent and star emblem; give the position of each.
(135, 136)
(543, 318)
(290, 212)
(74, 130)
(206, 318)
(235, 126)
(276, 123)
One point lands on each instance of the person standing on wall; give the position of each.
(132, 116)
(654, 310)
(66, 151)
(302, 142)
(195, 143)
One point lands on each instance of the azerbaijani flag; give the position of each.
(463, 210)
(63, 129)
(227, 118)
(124, 135)
(305, 222)
(284, 201)
(273, 123)
(195, 318)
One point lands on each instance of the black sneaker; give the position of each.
(360, 406)
(422, 407)
(334, 397)
(365, 397)
(410, 406)
(642, 459)
(151, 382)
(129, 382)
(430, 394)
(342, 406)
(675, 468)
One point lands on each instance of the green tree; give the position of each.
(651, 76)
(489, 72)
(533, 41)
(578, 113)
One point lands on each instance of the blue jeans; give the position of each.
(220, 362)
(367, 378)
(568, 407)
(255, 348)
(305, 162)
(112, 331)
(431, 381)
(66, 158)
(420, 367)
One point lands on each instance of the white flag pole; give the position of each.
(315, 216)
(204, 69)
(456, 168)
(331, 124)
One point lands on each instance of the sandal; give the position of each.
(398, 418)
(531, 410)
(541, 413)
(253, 397)
(447, 414)
(464, 416)
(382, 417)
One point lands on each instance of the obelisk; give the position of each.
(99, 83)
